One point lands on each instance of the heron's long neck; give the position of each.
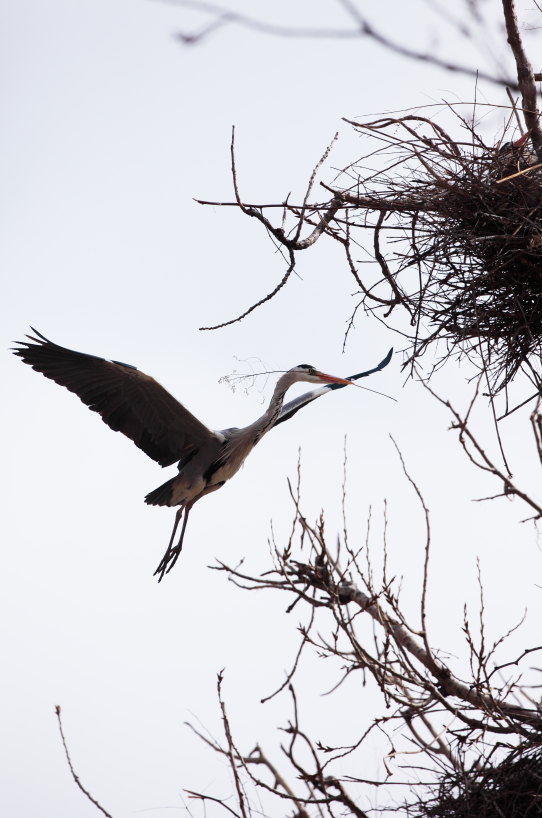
(264, 423)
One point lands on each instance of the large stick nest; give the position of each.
(512, 788)
(469, 218)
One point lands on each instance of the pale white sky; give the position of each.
(110, 129)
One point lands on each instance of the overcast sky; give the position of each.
(111, 127)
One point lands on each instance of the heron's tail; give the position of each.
(162, 495)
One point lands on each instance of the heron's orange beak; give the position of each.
(522, 140)
(333, 379)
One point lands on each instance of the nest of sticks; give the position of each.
(458, 239)
(512, 788)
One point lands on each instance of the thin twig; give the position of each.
(232, 751)
(70, 765)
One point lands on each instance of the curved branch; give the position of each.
(75, 777)
(223, 16)
(526, 81)
(259, 303)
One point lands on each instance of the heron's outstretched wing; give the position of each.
(127, 400)
(289, 409)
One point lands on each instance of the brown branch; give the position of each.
(519, 173)
(441, 747)
(224, 16)
(278, 232)
(310, 186)
(258, 757)
(70, 765)
(423, 56)
(536, 424)
(292, 671)
(484, 462)
(282, 205)
(526, 80)
(384, 123)
(423, 612)
(259, 303)
(385, 268)
(448, 685)
(232, 750)
(202, 797)
(516, 662)
(387, 205)
(445, 685)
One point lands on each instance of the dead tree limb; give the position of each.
(72, 770)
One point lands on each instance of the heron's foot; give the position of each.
(167, 562)
(172, 554)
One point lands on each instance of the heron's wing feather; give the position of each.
(127, 400)
(289, 409)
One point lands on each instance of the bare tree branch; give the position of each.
(232, 752)
(70, 765)
(222, 16)
(526, 82)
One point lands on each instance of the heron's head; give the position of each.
(306, 372)
(513, 146)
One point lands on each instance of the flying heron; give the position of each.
(133, 403)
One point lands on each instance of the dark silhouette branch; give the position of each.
(70, 765)
(526, 80)
(223, 16)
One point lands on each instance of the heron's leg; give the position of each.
(175, 552)
(169, 550)
(172, 554)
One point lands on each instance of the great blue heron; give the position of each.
(133, 403)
